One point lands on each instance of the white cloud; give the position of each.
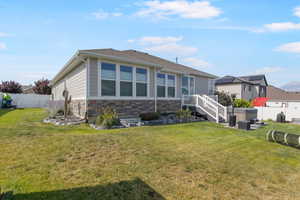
(284, 26)
(2, 46)
(297, 11)
(153, 40)
(173, 49)
(165, 45)
(180, 8)
(104, 15)
(293, 47)
(2, 34)
(268, 70)
(196, 62)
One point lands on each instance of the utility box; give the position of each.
(245, 125)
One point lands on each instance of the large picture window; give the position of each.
(187, 85)
(126, 79)
(123, 80)
(108, 79)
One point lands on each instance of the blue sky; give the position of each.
(223, 37)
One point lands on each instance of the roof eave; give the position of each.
(120, 59)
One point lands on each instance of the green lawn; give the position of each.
(186, 161)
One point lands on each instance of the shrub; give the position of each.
(241, 103)
(55, 112)
(184, 114)
(42, 87)
(10, 87)
(224, 98)
(150, 116)
(107, 118)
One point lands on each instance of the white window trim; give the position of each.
(118, 96)
(166, 85)
(189, 84)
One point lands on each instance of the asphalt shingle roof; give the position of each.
(275, 93)
(138, 55)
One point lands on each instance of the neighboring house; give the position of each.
(27, 89)
(243, 87)
(129, 81)
(280, 98)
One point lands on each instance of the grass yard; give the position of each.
(187, 161)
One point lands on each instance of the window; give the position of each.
(166, 85)
(108, 79)
(188, 85)
(161, 85)
(141, 82)
(192, 86)
(249, 88)
(211, 86)
(126, 79)
(171, 86)
(123, 81)
(185, 85)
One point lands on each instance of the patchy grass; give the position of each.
(185, 161)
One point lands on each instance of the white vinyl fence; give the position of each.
(29, 100)
(266, 113)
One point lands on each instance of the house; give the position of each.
(243, 87)
(131, 82)
(27, 89)
(282, 99)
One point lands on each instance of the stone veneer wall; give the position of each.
(131, 108)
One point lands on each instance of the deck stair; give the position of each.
(206, 105)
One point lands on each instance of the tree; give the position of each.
(42, 87)
(10, 87)
(224, 98)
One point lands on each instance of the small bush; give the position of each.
(150, 116)
(184, 114)
(107, 118)
(54, 112)
(241, 103)
(224, 99)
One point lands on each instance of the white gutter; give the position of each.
(183, 72)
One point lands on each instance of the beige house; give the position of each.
(130, 81)
(244, 87)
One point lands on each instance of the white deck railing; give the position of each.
(207, 105)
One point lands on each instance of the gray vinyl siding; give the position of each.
(94, 77)
(74, 82)
(57, 90)
(201, 85)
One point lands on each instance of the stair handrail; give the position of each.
(219, 105)
(205, 101)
